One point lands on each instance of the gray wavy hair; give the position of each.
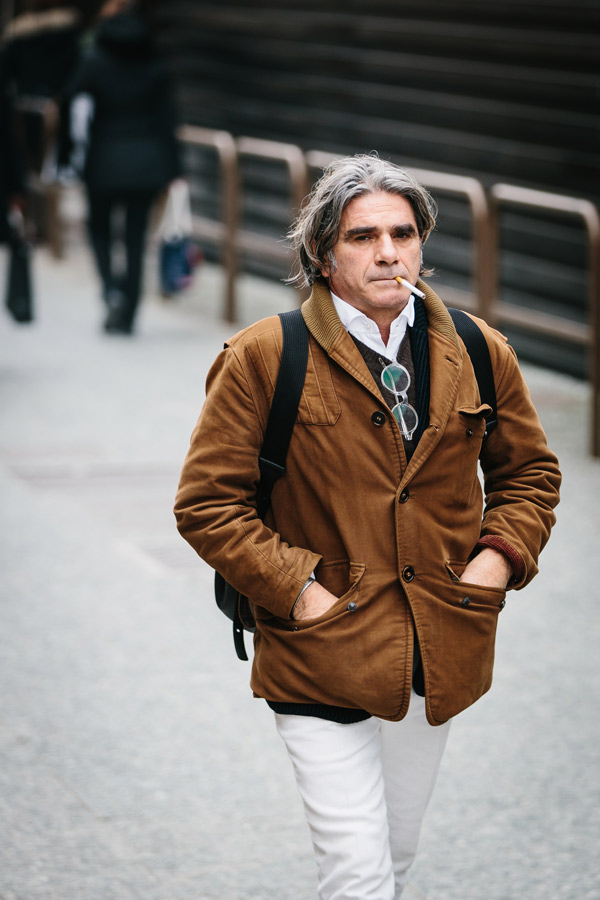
(315, 231)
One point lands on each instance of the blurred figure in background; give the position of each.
(12, 176)
(41, 48)
(12, 186)
(39, 51)
(132, 152)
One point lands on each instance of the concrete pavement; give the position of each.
(134, 761)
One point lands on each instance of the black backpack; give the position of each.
(280, 424)
(271, 462)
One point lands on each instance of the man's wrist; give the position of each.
(306, 585)
(489, 568)
(515, 559)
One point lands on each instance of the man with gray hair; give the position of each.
(378, 574)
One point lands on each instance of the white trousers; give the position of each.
(365, 789)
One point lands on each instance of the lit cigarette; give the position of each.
(411, 287)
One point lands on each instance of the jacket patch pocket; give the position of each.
(478, 592)
(341, 578)
(472, 419)
(457, 641)
(319, 404)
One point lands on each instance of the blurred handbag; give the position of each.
(18, 298)
(178, 254)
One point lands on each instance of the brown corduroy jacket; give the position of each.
(389, 539)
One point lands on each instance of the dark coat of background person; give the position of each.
(41, 49)
(17, 287)
(39, 52)
(12, 176)
(132, 150)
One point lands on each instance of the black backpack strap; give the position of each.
(284, 406)
(479, 352)
(280, 424)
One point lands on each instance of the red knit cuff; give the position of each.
(514, 558)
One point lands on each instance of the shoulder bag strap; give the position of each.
(284, 406)
(280, 424)
(477, 347)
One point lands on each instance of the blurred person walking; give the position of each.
(12, 175)
(13, 192)
(39, 51)
(132, 152)
(42, 48)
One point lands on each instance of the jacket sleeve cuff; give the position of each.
(513, 556)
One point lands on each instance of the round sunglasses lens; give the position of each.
(406, 417)
(395, 378)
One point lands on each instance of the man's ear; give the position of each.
(324, 267)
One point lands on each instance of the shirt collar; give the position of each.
(366, 330)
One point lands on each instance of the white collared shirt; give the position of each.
(367, 331)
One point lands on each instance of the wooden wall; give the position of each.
(504, 91)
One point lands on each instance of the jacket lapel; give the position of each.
(325, 326)
(445, 360)
(445, 364)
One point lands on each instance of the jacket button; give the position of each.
(295, 628)
(465, 601)
(502, 604)
(404, 495)
(378, 418)
(469, 432)
(352, 606)
(408, 573)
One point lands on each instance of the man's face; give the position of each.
(378, 240)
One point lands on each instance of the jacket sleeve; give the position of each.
(521, 474)
(215, 507)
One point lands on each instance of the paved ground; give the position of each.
(134, 763)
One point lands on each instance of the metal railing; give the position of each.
(538, 322)
(221, 232)
(228, 233)
(484, 299)
(297, 171)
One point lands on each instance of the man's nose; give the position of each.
(386, 252)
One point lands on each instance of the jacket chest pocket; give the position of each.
(472, 423)
(463, 439)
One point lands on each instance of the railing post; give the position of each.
(295, 163)
(481, 231)
(226, 231)
(553, 325)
